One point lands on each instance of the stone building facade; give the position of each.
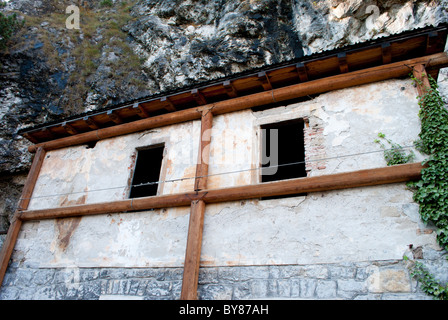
(336, 244)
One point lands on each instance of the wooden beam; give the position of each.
(199, 97)
(140, 110)
(114, 117)
(204, 151)
(354, 179)
(14, 228)
(341, 81)
(264, 79)
(432, 43)
(128, 205)
(30, 137)
(386, 53)
(91, 123)
(193, 251)
(69, 128)
(346, 180)
(301, 70)
(230, 89)
(420, 74)
(197, 211)
(168, 104)
(356, 78)
(47, 131)
(342, 59)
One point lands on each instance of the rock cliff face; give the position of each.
(129, 49)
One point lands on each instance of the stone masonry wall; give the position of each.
(380, 280)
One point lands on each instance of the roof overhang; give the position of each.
(407, 45)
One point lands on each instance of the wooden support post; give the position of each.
(196, 225)
(422, 79)
(14, 228)
(204, 151)
(193, 252)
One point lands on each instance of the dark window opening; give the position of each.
(147, 172)
(283, 152)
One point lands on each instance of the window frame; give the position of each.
(302, 122)
(161, 169)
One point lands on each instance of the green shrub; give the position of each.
(106, 3)
(9, 24)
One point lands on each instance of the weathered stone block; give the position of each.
(326, 289)
(307, 288)
(389, 280)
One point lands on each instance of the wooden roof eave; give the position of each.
(386, 51)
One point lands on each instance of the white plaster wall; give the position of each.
(363, 224)
(351, 119)
(78, 175)
(375, 223)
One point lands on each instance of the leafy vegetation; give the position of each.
(431, 191)
(395, 153)
(9, 24)
(428, 283)
(106, 3)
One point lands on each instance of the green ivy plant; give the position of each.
(395, 153)
(428, 284)
(431, 191)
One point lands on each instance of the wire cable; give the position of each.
(219, 174)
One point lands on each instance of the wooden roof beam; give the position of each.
(301, 70)
(169, 105)
(91, 123)
(140, 110)
(48, 132)
(230, 89)
(431, 43)
(386, 53)
(199, 97)
(264, 79)
(342, 59)
(69, 128)
(340, 81)
(114, 117)
(30, 137)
